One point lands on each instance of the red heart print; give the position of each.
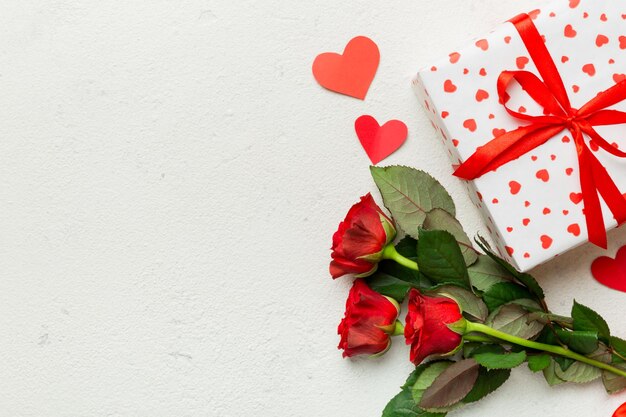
(589, 69)
(483, 44)
(454, 57)
(622, 42)
(379, 141)
(570, 32)
(514, 187)
(543, 175)
(619, 77)
(611, 272)
(576, 197)
(546, 241)
(574, 229)
(601, 40)
(350, 73)
(481, 95)
(521, 62)
(470, 124)
(573, 3)
(449, 87)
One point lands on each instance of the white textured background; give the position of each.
(171, 176)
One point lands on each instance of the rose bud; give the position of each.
(369, 321)
(427, 328)
(359, 242)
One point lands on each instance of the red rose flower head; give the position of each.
(360, 239)
(369, 320)
(427, 323)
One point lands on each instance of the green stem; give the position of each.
(390, 252)
(478, 338)
(557, 350)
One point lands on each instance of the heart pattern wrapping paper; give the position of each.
(532, 205)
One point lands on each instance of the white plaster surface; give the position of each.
(171, 176)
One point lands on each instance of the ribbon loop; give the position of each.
(549, 93)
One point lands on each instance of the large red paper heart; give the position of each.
(380, 141)
(350, 73)
(611, 272)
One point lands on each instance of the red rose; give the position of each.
(427, 323)
(359, 242)
(369, 320)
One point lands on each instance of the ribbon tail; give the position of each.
(613, 198)
(592, 209)
(505, 148)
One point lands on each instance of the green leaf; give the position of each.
(538, 363)
(439, 219)
(513, 319)
(469, 303)
(388, 285)
(426, 378)
(403, 405)
(618, 346)
(451, 386)
(486, 272)
(564, 362)
(579, 372)
(549, 374)
(486, 348)
(528, 280)
(585, 319)
(500, 361)
(439, 258)
(579, 341)
(409, 194)
(487, 382)
(503, 293)
(614, 383)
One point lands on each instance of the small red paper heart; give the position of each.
(379, 141)
(514, 187)
(622, 42)
(350, 73)
(611, 272)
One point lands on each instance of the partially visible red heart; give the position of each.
(350, 73)
(380, 141)
(611, 272)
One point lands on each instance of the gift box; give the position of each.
(532, 118)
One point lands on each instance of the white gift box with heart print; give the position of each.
(532, 205)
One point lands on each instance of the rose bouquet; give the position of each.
(471, 317)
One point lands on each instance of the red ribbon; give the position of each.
(558, 115)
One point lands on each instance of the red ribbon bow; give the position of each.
(558, 116)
